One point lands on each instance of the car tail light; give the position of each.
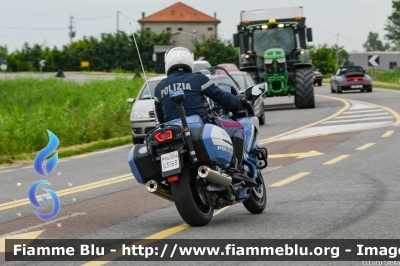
(355, 78)
(164, 135)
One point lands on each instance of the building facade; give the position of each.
(380, 60)
(185, 23)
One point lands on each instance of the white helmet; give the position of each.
(178, 57)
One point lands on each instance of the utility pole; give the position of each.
(117, 21)
(71, 27)
(337, 50)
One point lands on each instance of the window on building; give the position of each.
(180, 29)
(168, 29)
(148, 29)
(392, 65)
(210, 29)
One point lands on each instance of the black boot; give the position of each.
(238, 144)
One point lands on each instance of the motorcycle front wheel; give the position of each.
(258, 197)
(188, 201)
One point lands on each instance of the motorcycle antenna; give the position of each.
(140, 60)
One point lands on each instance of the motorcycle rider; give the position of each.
(179, 67)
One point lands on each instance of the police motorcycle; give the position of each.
(191, 163)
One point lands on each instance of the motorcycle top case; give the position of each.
(212, 144)
(141, 165)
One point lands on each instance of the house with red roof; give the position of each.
(184, 22)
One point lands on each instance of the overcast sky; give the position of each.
(352, 19)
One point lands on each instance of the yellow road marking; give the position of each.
(289, 179)
(144, 242)
(65, 192)
(298, 155)
(28, 238)
(387, 134)
(337, 159)
(346, 106)
(363, 147)
(5, 171)
(75, 157)
(389, 90)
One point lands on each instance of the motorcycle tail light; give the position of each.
(173, 178)
(164, 135)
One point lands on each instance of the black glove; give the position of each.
(243, 102)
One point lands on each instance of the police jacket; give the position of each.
(195, 86)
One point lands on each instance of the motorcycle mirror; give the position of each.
(258, 89)
(177, 96)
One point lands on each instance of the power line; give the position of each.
(20, 28)
(126, 16)
(350, 40)
(96, 18)
(56, 36)
(351, 37)
(325, 31)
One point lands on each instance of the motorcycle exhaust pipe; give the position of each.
(214, 176)
(154, 188)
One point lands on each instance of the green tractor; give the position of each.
(274, 51)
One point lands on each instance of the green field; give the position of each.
(75, 113)
(386, 76)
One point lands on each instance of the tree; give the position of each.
(342, 55)
(374, 44)
(393, 24)
(215, 50)
(111, 51)
(324, 57)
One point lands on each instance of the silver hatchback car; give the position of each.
(142, 116)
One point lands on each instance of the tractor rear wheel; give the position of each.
(304, 97)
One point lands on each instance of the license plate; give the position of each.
(169, 161)
(356, 86)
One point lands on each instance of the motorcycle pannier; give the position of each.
(141, 165)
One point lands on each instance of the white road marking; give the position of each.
(42, 224)
(364, 115)
(363, 111)
(353, 120)
(358, 106)
(321, 130)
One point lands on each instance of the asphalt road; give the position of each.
(349, 191)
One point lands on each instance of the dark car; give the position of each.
(351, 78)
(317, 77)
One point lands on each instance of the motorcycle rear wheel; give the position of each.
(187, 200)
(258, 198)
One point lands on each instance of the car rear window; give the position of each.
(240, 80)
(223, 82)
(144, 95)
(199, 66)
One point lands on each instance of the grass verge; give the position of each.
(92, 112)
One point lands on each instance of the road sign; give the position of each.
(42, 63)
(373, 60)
(84, 64)
(3, 67)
